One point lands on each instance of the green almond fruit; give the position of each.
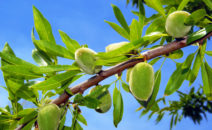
(175, 24)
(86, 58)
(49, 117)
(104, 98)
(115, 46)
(141, 81)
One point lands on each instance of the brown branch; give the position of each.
(162, 50)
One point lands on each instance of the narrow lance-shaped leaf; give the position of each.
(119, 30)
(208, 3)
(118, 107)
(209, 53)
(141, 16)
(195, 17)
(53, 68)
(197, 63)
(156, 4)
(120, 18)
(20, 72)
(206, 78)
(42, 26)
(199, 34)
(135, 30)
(158, 25)
(55, 50)
(179, 75)
(71, 44)
(55, 81)
(183, 4)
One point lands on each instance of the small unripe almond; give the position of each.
(175, 24)
(104, 98)
(142, 81)
(86, 58)
(49, 117)
(115, 46)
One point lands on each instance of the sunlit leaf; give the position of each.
(41, 58)
(183, 4)
(42, 26)
(120, 18)
(156, 4)
(55, 81)
(119, 30)
(71, 44)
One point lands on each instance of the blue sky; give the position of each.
(83, 21)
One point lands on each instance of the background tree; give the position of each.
(18, 73)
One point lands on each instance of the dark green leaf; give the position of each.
(179, 75)
(29, 125)
(71, 44)
(119, 30)
(55, 81)
(28, 117)
(199, 34)
(118, 107)
(120, 18)
(42, 26)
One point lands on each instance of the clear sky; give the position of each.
(83, 20)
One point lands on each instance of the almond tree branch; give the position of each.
(162, 50)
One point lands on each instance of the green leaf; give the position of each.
(156, 4)
(53, 68)
(71, 44)
(118, 107)
(55, 81)
(155, 91)
(195, 17)
(209, 53)
(81, 119)
(119, 30)
(120, 18)
(135, 30)
(152, 62)
(175, 54)
(29, 125)
(183, 4)
(206, 78)
(88, 101)
(197, 64)
(110, 61)
(11, 59)
(199, 34)
(28, 117)
(41, 58)
(43, 27)
(208, 3)
(26, 93)
(179, 75)
(20, 72)
(53, 49)
(158, 25)
(125, 86)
